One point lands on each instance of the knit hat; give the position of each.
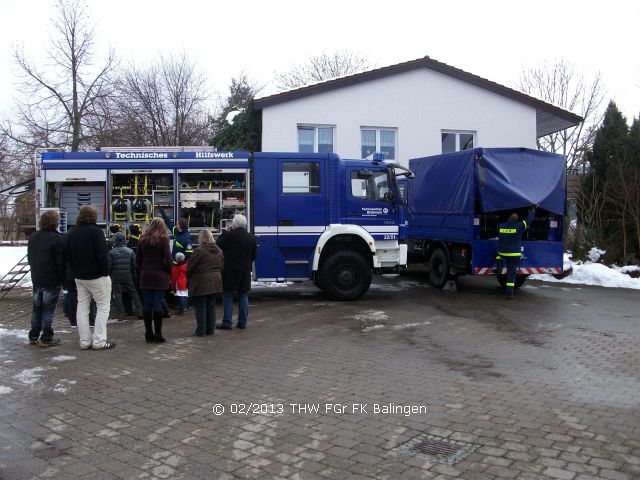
(180, 256)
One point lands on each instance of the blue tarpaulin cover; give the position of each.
(502, 179)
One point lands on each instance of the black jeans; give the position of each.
(205, 308)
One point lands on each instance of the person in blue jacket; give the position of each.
(181, 236)
(508, 248)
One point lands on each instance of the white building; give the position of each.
(412, 109)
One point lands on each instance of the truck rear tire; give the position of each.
(345, 276)
(520, 279)
(439, 268)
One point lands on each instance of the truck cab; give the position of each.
(333, 221)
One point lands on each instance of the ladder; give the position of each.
(14, 276)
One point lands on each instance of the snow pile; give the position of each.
(9, 256)
(4, 390)
(592, 273)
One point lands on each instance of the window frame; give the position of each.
(378, 144)
(315, 127)
(458, 133)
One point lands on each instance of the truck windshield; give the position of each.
(373, 187)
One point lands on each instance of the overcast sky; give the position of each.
(493, 39)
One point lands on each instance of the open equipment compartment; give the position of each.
(130, 185)
(209, 198)
(136, 195)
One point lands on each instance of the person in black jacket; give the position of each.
(87, 253)
(239, 248)
(46, 261)
(508, 248)
(122, 269)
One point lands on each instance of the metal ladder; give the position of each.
(14, 276)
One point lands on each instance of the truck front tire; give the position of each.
(438, 268)
(345, 276)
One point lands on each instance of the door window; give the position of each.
(373, 187)
(300, 177)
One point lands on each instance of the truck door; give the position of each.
(302, 212)
(368, 202)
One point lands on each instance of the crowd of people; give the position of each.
(98, 279)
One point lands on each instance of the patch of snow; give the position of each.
(231, 116)
(409, 325)
(7, 332)
(9, 257)
(373, 327)
(4, 390)
(29, 376)
(374, 315)
(627, 269)
(270, 284)
(595, 254)
(63, 385)
(63, 358)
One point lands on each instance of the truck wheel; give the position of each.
(438, 268)
(520, 279)
(345, 276)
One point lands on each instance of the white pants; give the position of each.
(100, 290)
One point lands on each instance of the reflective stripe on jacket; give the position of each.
(510, 236)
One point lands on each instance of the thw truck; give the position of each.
(458, 200)
(315, 216)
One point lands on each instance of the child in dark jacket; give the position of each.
(122, 270)
(179, 283)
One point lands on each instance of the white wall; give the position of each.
(419, 103)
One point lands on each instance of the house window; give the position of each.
(456, 140)
(300, 177)
(378, 140)
(313, 139)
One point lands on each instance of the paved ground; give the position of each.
(545, 387)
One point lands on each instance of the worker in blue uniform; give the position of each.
(508, 248)
(181, 236)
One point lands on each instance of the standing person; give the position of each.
(239, 248)
(46, 260)
(204, 281)
(179, 284)
(122, 269)
(181, 235)
(87, 253)
(508, 248)
(153, 257)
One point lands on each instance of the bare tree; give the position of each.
(560, 85)
(58, 98)
(166, 103)
(14, 170)
(322, 67)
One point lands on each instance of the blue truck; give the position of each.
(457, 200)
(315, 216)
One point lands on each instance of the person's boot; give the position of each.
(148, 329)
(157, 325)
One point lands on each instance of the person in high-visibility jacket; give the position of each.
(508, 248)
(181, 236)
